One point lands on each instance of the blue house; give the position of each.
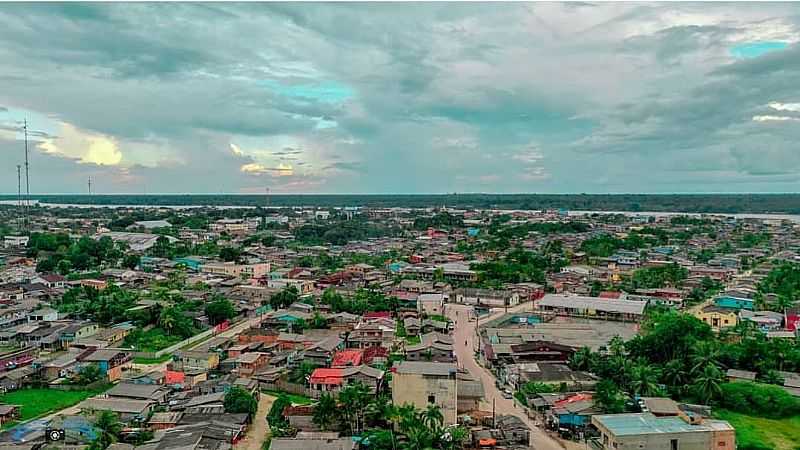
(731, 302)
(190, 263)
(574, 412)
(472, 232)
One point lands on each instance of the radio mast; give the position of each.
(27, 180)
(90, 185)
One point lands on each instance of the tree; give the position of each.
(707, 384)
(705, 353)
(325, 412)
(285, 297)
(644, 379)
(356, 396)
(131, 260)
(167, 320)
(433, 417)
(64, 267)
(219, 310)
(230, 253)
(582, 359)
(88, 375)
(108, 428)
(608, 397)
(239, 401)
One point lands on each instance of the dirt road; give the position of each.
(259, 429)
(465, 343)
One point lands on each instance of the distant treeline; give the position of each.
(690, 203)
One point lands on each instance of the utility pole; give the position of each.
(19, 186)
(27, 180)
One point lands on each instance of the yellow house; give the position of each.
(717, 317)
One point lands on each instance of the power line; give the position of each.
(27, 180)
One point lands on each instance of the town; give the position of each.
(385, 328)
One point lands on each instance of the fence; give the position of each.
(285, 386)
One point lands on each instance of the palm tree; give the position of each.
(325, 412)
(708, 384)
(108, 427)
(782, 303)
(405, 417)
(433, 418)
(705, 353)
(644, 379)
(167, 320)
(418, 438)
(674, 375)
(582, 359)
(454, 438)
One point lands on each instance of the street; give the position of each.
(465, 342)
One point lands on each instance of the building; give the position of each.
(717, 317)
(233, 270)
(595, 307)
(431, 304)
(647, 431)
(137, 242)
(426, 383)
(487, 297)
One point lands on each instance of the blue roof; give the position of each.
(645, 423)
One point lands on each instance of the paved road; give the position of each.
(465, 343)
(259, 429)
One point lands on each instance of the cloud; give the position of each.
(431, 98)
(84, 146)
(260, 169)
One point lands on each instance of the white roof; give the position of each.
(594, 303)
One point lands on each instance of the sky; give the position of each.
(401, 97)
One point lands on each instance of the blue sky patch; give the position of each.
(756, 49)
(328, 91)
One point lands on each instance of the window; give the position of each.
(673, 444)
(431, 399)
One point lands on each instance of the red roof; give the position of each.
(609, 294)
(347, 358)
(573, 399)
(378, 315)
(326, 376)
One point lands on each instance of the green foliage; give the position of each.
(760, 399)
(342, 232)
(219, 310)
(106, 307)
(278, 424)
(285, 297)
(601, 246)
(363, 300)
(131, 260)
(657, 277)
(239, 401)
(108, 428)
(88, 375)
(783, 280)
(518, 266)
(229, 253)
(325, 412)
(440, 220)
(608, 398)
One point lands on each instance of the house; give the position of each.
(426, 383)
(322, 352)
(430, 351)
(431, 304)
(733, 302)
(718, 318)
(9, 413)
(197, 360)
(133, 391)
(324, 380)
(646, 431)
(574, 412)
(247, 364)
(368, 334)
(315, 441)
(53, 280)
(233, 270)
(486, 297)
(470, 393)
(109, 362)
(128, 410)
(611, 309)
(164, 420)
